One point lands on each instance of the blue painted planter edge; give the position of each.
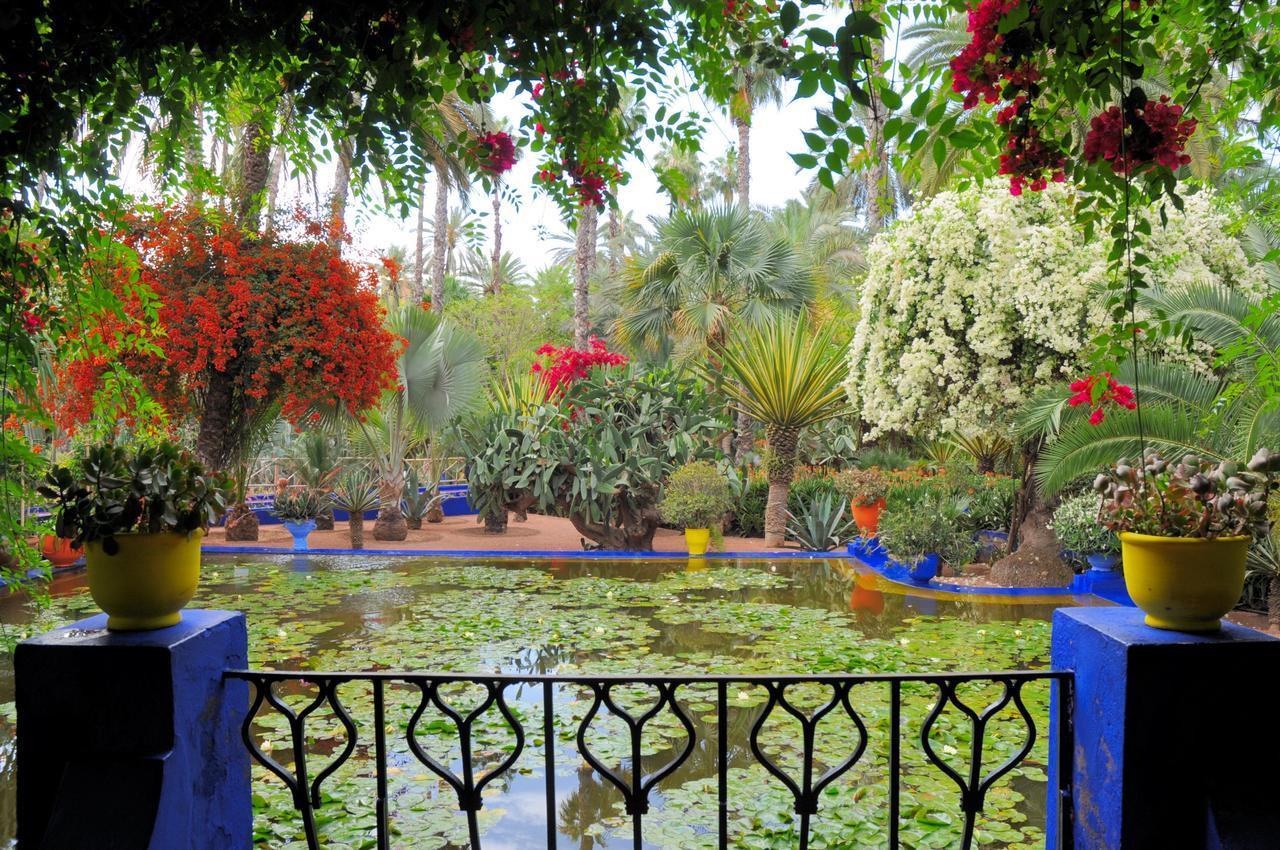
(514, 553)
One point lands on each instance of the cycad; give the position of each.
(787, 376)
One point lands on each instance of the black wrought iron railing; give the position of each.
(812, 703)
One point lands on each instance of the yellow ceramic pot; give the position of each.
(146, 584)
(1184, 583)
(697, 539)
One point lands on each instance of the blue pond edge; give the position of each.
(1108, 585)
(509, 553)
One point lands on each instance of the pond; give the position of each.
(751, 617)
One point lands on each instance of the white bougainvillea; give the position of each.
(977, 299)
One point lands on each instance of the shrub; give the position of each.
(862, 486)
(822, 524)
(931, 521)
(697, 495)
(1076, 524)
(806, 488)
(991, 502)
(882, 457)
(748, 516)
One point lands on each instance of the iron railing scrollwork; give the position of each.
(837, 696)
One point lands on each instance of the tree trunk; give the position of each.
(495, 258)
(584, 260)
(1024, 499)
(242, 524)
(212, 437)
(495, 523)
(439, 242)
(878, 196)
(744, 440)
(615, 246)
(782, 468)
(390, 524)
(255, 163)
(743, 123)
(632, 533)
(356, 525)
(195, 157)
(276, 171)
(341, 189)
(419, 257)
(324, 519)
(1273, 602)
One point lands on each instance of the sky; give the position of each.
(775, 179)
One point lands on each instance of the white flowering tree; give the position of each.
(978, 299)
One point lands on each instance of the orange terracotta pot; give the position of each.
(867, 517)
(59, 552)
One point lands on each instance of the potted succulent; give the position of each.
(696, 496)
(1185, 530)
(356, 493)
(1082, 536)
(923, 532)
(865, 489)
(297, 511)
(140, 514)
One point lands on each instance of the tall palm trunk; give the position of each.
(743, 122)
(276, 171)
(1273, 601)
(419, 259)
(615, 247)
(439, 242)
(584, 262)
(781, 470)
(341, 188)
(254, 155)
(355, 523)
(495, 258)
(194, 155)
(879, 201)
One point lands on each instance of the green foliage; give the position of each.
(598, 458)
(862, 486)
(926, 522)
(415, 500)
(822, 523)
(1078, 528)
(110, 490)
(298, 505)
(806, 488)
(882, 457)
(991, 501)
(356, 491)
(748, 516)
(697, 495)
(832, 444)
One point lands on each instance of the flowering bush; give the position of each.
(496, 152)
(976, 300)
(1194, 497)
(1097, 390)
(1145, 134)
(244, 324)
(562, 366)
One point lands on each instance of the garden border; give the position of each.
(513, 553)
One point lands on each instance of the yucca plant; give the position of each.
(786, 374)
(355, 493)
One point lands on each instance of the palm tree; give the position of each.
(494, 284)
(440, 126)
(480, 272)
(722, 176)
(710, 270)
(441, 375)
(679, 174)
(787, 376)
(829, 246)
(754, 85)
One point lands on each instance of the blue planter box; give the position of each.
(457, 502)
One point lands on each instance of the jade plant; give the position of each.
(697, 495)
(1194, 497)
(111, 490)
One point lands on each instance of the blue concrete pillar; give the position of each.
(131, 740)
(1170, 748)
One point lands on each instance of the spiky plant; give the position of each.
(355, 493)
(316, 465)
(786, 375)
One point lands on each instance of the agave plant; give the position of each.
(822, 524)
(316, 465)
(357, 492)
(787, 376)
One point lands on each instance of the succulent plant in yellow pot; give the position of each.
(140, 514)
(1185, 528)
(696, 496)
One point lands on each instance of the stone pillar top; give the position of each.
(1125, 625)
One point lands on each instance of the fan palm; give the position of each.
(316, 464)
(788, 376)
(441, 375)
(1182, 409)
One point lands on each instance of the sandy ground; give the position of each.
(537, 534)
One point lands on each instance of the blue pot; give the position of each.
(1103, 562)
(924, 570)
(300, 530)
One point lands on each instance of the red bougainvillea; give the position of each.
(1146, 133)
(560, 367)
(496, 152)
(1099, 390)
(246, 323)
(991, 58)
(1032, 162)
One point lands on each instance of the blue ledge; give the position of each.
(509, 553)
(1109, 586)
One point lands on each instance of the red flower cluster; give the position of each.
(496, 152)
(1031, 161)
(1145, 134)
(26, 283)
(289, 322)
(562, 366)
(1089, 390)
(990, 58)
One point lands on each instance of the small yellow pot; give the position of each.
(697, 539)
(1184, 583)
(148, 582)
